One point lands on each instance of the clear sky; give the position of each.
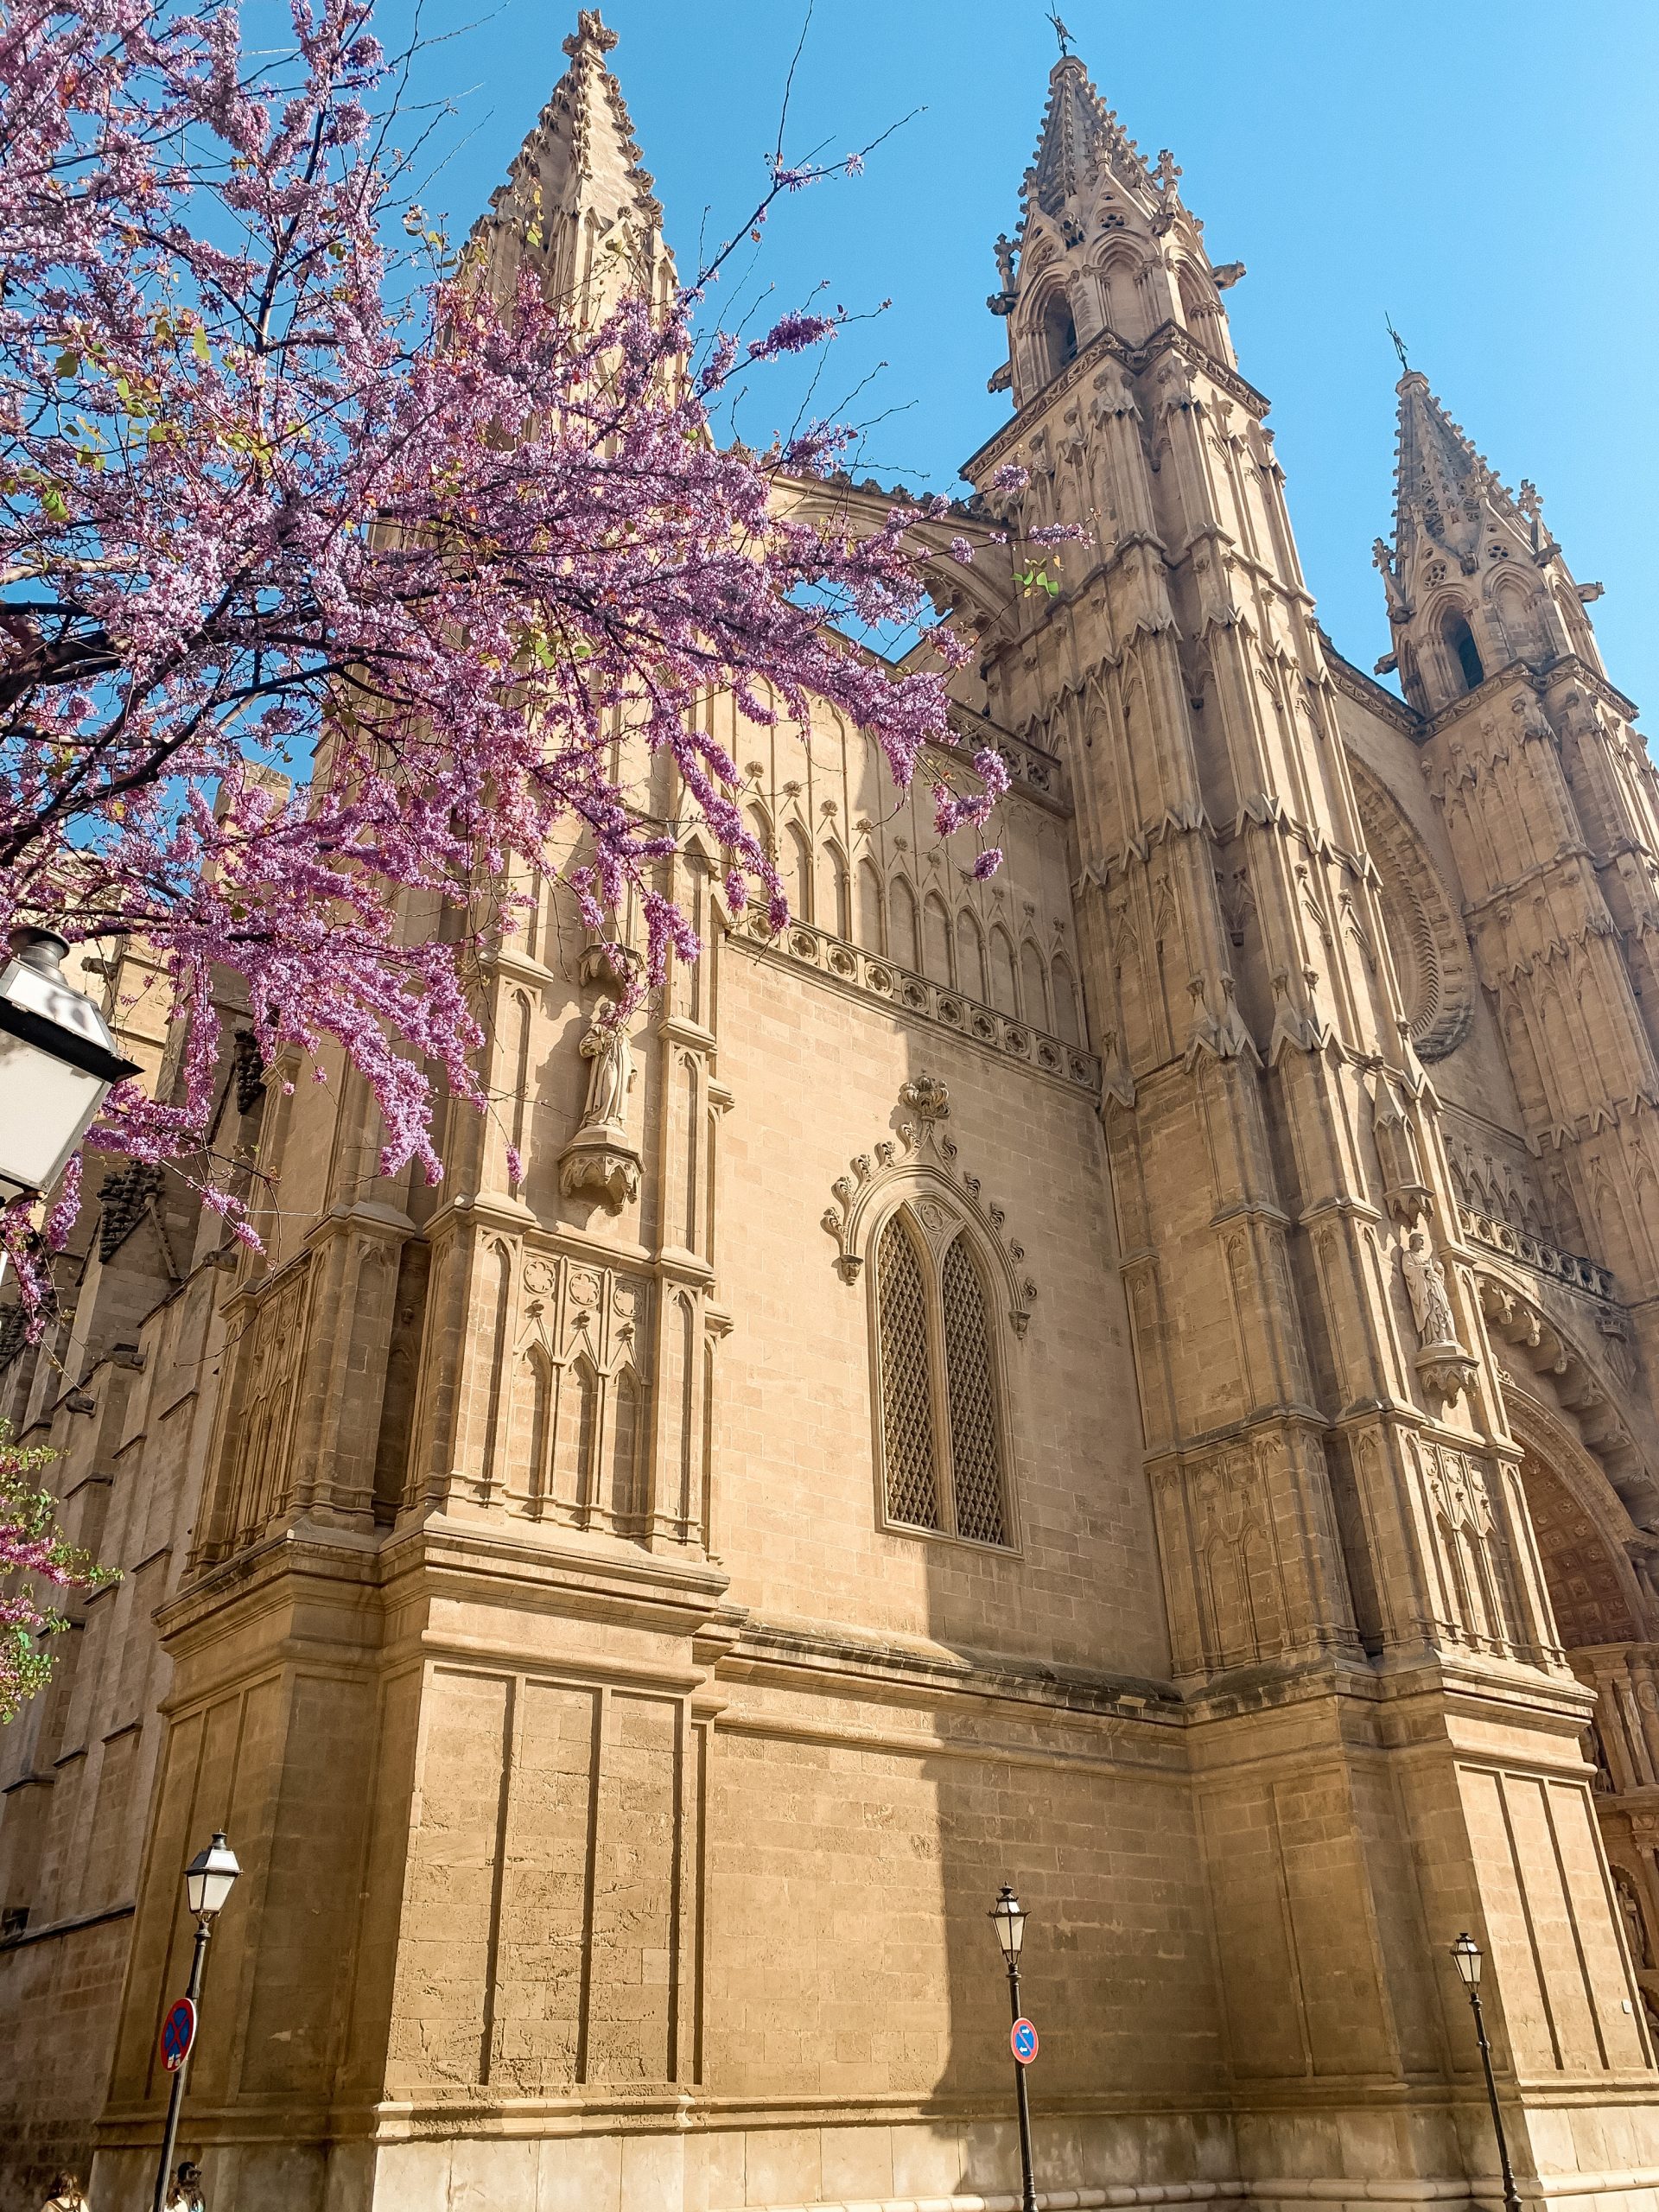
(1484, 173)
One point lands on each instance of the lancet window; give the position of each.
(1461, 645)
(940, 1429)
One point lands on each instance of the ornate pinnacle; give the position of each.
(589, 31)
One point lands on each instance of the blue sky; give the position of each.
(1483, 173)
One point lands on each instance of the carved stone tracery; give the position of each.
(921, 1160)
(1431, 952)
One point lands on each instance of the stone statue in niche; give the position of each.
(1445, 1368)
(599, 1161)
(610, 1072)
(1426, 1282)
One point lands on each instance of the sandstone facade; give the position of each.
(1136, 1378)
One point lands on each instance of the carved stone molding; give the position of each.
(1530, 1251)
(600, 1164)
(1587, 1395)
(572, 1308)
(922, 1158)
(1430, 951)
(874, 976)
(1445, 1371)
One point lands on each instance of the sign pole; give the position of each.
(176, 2100)
(1029, 2186)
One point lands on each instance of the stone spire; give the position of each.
(1475, 582)
(1080, 137)
(1105, 244)
(1442, 485)
(577, 198)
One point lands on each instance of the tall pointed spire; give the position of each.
(577, 197)
(1105, 246)
(1475, 582)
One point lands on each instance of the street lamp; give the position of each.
(57, 1062)
(208, 1882)
(1466, 1954)
(1007, 1916)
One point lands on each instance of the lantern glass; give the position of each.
(46, 1106)
(1008, 1917)
(57, 1063)
(209, 1877)
(1467, 1954)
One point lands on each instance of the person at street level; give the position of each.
(186, 2196)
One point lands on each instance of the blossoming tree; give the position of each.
(422, 554)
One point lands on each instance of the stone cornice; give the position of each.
(914, 1675)
(1568, 1268)
(1365, 692)
(1571, 667)
(883, 984)
(461, 1560)
(1039, 774)
(53, 1929)
(1540, 681)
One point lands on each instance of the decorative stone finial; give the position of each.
(589, 31)
(927, 1099)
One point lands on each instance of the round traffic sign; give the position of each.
(178, 2033)
(1022, 2041)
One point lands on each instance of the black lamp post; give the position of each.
(1467, 1954)
(1008, 1918)
(208, 1882)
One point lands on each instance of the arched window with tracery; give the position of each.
(944, 1459)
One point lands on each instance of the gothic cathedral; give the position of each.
(1138, 1378)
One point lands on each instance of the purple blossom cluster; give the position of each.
(318, 618)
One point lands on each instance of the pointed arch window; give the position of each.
(1059, 333)
(906, 946)
(944, 1461)
(1465, 653)
(871, 934)
(797, 881)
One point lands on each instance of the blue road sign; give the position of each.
(1022, 2041)
(178, 2033)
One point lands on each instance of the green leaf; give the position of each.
(199, 345)
(54, 504)
(68, 365)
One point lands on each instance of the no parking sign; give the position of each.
(178, 2033)
(1022, 2041)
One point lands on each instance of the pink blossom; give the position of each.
(422, 561)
